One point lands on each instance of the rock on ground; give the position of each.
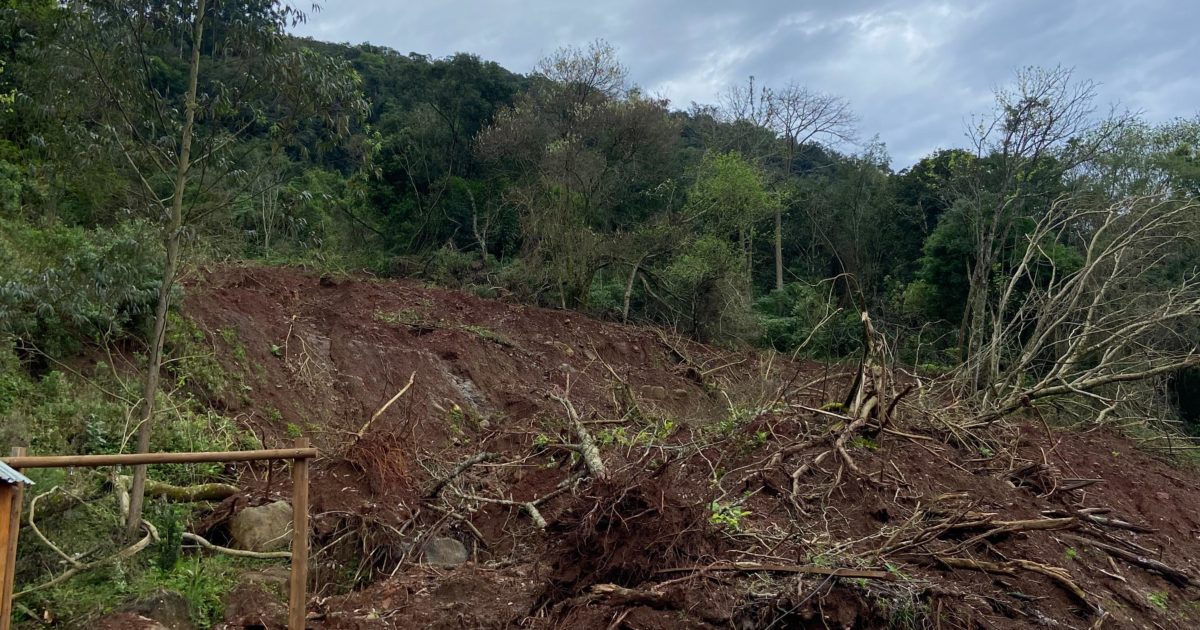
(445, 552)
(166, 608)
(263, 528)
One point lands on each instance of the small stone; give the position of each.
(1162, 496)
(445, 552)
(654, 392)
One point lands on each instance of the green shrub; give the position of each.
(797, 314)
(61, 286)
(450, 267)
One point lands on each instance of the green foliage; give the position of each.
(802, 317)
(63, 286)
(646, 436)
(195, 365)
(709, 279)
(483, 332)
(728, 515)
(168, 521)
(204, 582)
(730, 193)
(864, 442)
(1159, 599)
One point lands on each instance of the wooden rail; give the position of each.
(133, 459)
(300, 453)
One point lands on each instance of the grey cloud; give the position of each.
(914, 70)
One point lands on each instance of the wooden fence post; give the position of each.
(11, 497)
(298, 597)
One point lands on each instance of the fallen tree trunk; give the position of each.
(1174, 575)
(186, 494)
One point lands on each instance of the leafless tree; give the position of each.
(1114, 319)
(590, 74)
(802, 116)
(1042, 128)
(746, 111)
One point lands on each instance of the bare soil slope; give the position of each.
(717, 508)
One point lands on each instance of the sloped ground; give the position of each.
(713, 513)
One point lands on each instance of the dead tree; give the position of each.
(1115, 318)
(1041, 129)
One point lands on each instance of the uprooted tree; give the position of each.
(1105, 312)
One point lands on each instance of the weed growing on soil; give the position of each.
(647, 437)
(864, 442)
(407, 317)
(230, 336)
(1159, 599)
(905, 611)
(417, 321)
(193, 360)
(727, 515)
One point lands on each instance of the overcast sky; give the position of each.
(915, 71)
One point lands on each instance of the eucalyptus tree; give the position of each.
(174, 90)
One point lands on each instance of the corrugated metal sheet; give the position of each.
(10, 476)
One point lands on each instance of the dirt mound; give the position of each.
(733, 496)
(621, 531)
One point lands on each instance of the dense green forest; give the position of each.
(767, 218)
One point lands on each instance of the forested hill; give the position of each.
(749, 220)
(767, 218)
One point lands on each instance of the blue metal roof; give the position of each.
(12, 477)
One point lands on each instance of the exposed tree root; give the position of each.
(754, 567)
(240, 553)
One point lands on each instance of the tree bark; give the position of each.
(629, 290)
(778, 249)
(172, 237)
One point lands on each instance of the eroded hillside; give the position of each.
(722, 499)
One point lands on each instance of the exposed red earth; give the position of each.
(696, 522)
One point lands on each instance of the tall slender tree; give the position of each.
(801, 116)
(179, 86)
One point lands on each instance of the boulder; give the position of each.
(263, 528)
(166, 608)
(274, 578)
(445, 552)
